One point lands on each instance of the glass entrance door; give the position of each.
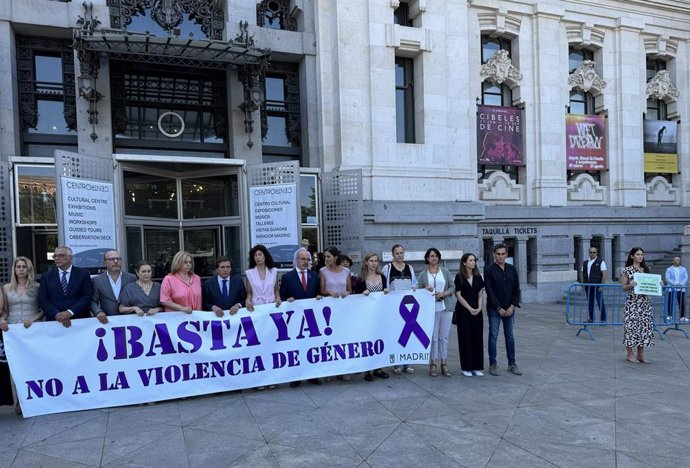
(194, 210)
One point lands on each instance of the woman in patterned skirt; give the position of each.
(371, 280)
(638, 322)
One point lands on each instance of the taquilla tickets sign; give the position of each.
(136, 359)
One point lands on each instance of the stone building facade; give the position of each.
(391, 89)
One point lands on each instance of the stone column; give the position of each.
(627, 103)
(546, 115)
(607, 255)
(521, 254)
(9, 112)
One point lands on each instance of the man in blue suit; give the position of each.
(300, 283)
(223, 292)
(65, 291)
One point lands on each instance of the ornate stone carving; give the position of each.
(661, 87)
(583, 189)
(277, 11)
(659, 191)
(585, 78)
(498, 187)
(499, 69)
(170, 13)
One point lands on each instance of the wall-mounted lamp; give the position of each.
(87, 90)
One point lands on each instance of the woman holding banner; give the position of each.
(437, 279)
(468, 312)
(400, 276)
(638, 322)
(372, 280)
(142, 296)
(181, 288)
(19, 305)
(262, 279)
(335, 282)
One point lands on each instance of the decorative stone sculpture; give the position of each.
(585, 78)
(499, 69)
(661, 87)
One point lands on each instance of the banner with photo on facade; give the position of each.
(585, 142)
(660, 146)
(134, 359)
(499, 136)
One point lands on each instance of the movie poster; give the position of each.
(585, 142)
(499, 136)
(660, 146)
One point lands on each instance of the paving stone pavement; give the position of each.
(579, 403)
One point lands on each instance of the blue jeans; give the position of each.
(494, 324)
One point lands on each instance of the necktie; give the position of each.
(63, 282)
(304, 281)
(225, 290)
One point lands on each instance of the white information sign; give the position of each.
(647, 284)
(88, 219)
(273, 216)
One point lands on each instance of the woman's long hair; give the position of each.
(630, 261)
(463, 270)
(363, 272)
(178, 261)
(268, 258)
(30, 279)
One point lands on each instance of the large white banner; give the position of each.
(136, 359)
(273, 219)
(88, 219)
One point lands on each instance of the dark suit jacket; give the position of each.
(78, 298)
(103, 297)
(212, 295)
(291, 285)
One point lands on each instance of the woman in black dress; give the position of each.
(468, 311)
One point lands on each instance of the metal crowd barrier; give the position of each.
(610, 298)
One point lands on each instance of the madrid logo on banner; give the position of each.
(585, 142)
(134, 359)
(499, 136)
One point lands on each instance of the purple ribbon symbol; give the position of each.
(411, 325)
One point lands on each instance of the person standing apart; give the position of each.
(638, 321)
(66, 291)
(20, 305)
(108, 287)
(677, 277)
(437, 279)
(594, 271)
(468, 291)
(181, 288)
(400, 277)
(503, 297)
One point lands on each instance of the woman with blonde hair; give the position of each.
(19, 303)
(181, 288)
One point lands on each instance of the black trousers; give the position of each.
(470, 340)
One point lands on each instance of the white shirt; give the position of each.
(116, 286)
(589, 266)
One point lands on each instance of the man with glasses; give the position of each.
(593, 271)
(108, 286)
(66, 291)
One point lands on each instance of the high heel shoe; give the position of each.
(445, 371)
(432, 370)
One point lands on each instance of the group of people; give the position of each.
(68, 292)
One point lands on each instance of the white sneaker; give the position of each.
(467, 373)
(668, 319)
(684, 319)
(478, 373)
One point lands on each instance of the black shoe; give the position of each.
(368, 376)
(294, 384)
(314, 381)
(380, 374)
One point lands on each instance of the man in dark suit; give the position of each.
(108, 286)
(300, 283)
(65, 291)
(223, 292)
